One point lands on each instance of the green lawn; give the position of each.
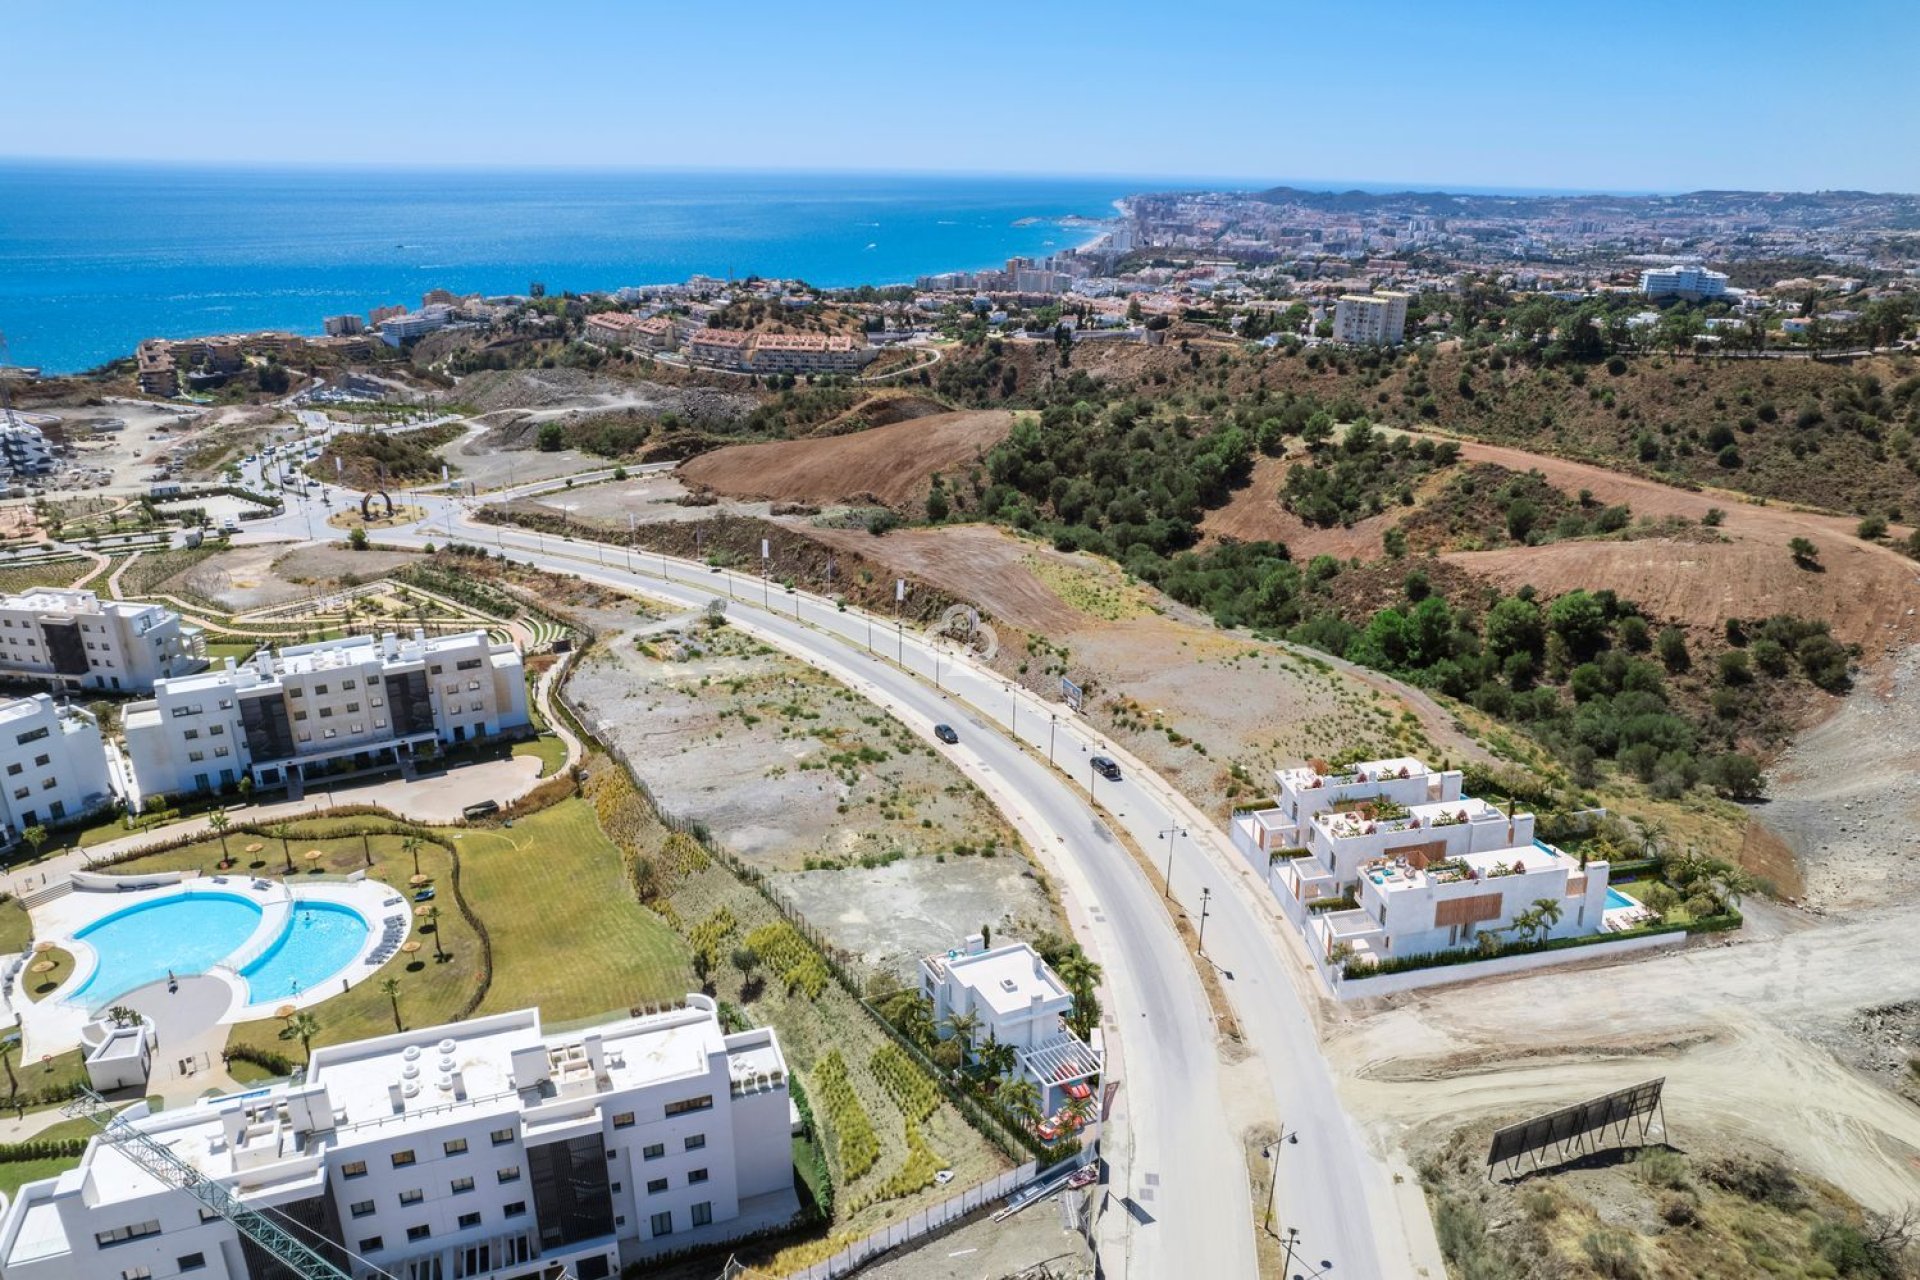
(238, 650)
(16, 928)
(547, 748)
(15, 1174)
(568, 934)
(39, 986)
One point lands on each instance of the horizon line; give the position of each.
(1194, 182)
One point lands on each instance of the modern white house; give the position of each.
(53, 765)
(1371, 319)
(360, 702)
(72, 639)
(480, 1150)
(1019, 1001)
(1388, 859)
(1690, 282)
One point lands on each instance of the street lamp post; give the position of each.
(1013, 696)
(1272, 1152)
(1053, 723)
(1171, 835)
(1206, 901)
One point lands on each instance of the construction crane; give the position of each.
(159, 1160)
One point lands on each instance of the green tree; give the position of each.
(35, 836)
(390, 988)
(219, 821)
(411, 845)
(1021, 1100)
(357, 538)
(1581, 621)
(1804, 553)
(1514, 626)
(552, 438)
(302, 1026)
(1671, 648)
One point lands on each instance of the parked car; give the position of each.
(945, 733)
(1105, 768)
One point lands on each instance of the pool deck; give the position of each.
(53, 1024)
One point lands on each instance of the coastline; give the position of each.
(239, 252)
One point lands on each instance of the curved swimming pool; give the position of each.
(320, 940)
(189, 933)
(184, 934)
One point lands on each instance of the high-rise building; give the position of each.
(1377, 319)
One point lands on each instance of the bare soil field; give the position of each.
(253, 577)
(891, 466)
(485, 455)
(559, 391)
(884, 846)
(1215, 712)
(649, 497)
(1254, 514)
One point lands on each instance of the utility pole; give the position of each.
(1053, 723)
(1014, 696)
(1171, 835)
(1206, 902)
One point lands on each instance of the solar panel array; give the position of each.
(1558, 1128)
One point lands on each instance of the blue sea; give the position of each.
(95, 257)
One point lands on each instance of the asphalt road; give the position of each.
(1181, 1199)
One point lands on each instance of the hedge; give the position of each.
(1359, 970)
(42, 1149)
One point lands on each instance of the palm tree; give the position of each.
(1730, 883)
(302, 1026)
(219, 821)
(1546, 914)
(286, 848)
(1021, 1099)
(1081, 1109)
(433, 918)
(915, 1020)
(390, 988)
(962, 1026)
(411, 845)
(995, 1057)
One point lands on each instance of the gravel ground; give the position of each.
(877, 837)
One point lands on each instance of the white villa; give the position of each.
(1019, 1002)
(1427, 868)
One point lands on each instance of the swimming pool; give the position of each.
(184, 934)
(321, 939)
(1617, 900)
(189, 933)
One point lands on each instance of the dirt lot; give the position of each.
(888, 466)
(1254, 514)
(1216, 713)
(883, 844)
(648, 497)
(549, 393)
(493, 457)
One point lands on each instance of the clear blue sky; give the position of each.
(1627, 96)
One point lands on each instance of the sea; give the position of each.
(95, 257)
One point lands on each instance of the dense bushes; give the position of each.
(1362, 476)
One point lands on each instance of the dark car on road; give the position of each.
(945, 733)
(1105, 768)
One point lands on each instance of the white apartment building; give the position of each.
(1692, 283)
(344, 326)
(407, 326)
(23, 450)
(480, 1150)
(75, 640)
(356, 703)
(1375, 319)
(1019, 1001)
(53, 765)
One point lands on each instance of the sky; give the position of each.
(1628, 96)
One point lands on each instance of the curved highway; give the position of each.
(1181, 1199)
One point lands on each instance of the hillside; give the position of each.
(891, 466)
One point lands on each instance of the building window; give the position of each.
(421, 1232)
(360, 1208)
(703, 1213)
(120, 1235)
(696, 1177)
(460, 1186)
(401, 1159)
(624, 1120)
(191, 1261)
(653, 1151)
(136, 1273)
(509, 1174)
(469, 1221)
(349, 685)
(372, 1244)
(657, 1186)
(411, 1197)
(14, 770)
(41, 762)
(515, 1209)
(319, 690)
(696, 1142)
(501, 1137)
(702, 1103)
(354, 1169)
(455, 1146)
(663, 1223)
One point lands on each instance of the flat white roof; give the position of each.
(1007, 978)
